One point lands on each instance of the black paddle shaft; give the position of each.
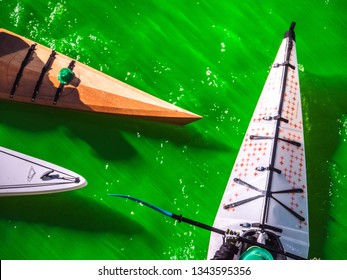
(180, 218)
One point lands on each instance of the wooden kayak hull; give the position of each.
(35, 80)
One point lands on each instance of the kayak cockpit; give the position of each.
(252, 244)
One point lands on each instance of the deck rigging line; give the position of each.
(268, 193)
(21, 69)
(61, 85)
(44, 70)
(291, 37)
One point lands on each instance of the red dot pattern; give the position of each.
(290, 159)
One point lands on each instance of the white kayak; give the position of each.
(265, 200)
(21, 174)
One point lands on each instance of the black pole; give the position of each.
(291, 36)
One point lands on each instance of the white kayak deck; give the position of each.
(265, 166)
(21, 174)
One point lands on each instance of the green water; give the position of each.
(210, 57)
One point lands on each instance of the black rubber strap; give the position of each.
(44, 70)
(61, 86)
(21, 69)
(256, 137)
(262, 168)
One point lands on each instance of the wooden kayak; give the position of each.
(265, 200)
(33, 73)
(22, 174)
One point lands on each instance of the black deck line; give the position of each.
(61, 86)
(260, 137)
(291, 37)
(21, 69)
(265, 194)
(44, 70)
(268, 193)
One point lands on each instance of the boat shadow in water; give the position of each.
(323, 106)
(105, 134)
(69, 211)
(107, 141)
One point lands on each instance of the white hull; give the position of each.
(21, 174)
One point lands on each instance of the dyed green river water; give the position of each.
(209, 57)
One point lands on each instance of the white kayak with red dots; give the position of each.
(267, 192)
(21, 174)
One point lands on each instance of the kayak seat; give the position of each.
(256, 252)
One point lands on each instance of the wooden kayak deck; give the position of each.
(29, 73)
